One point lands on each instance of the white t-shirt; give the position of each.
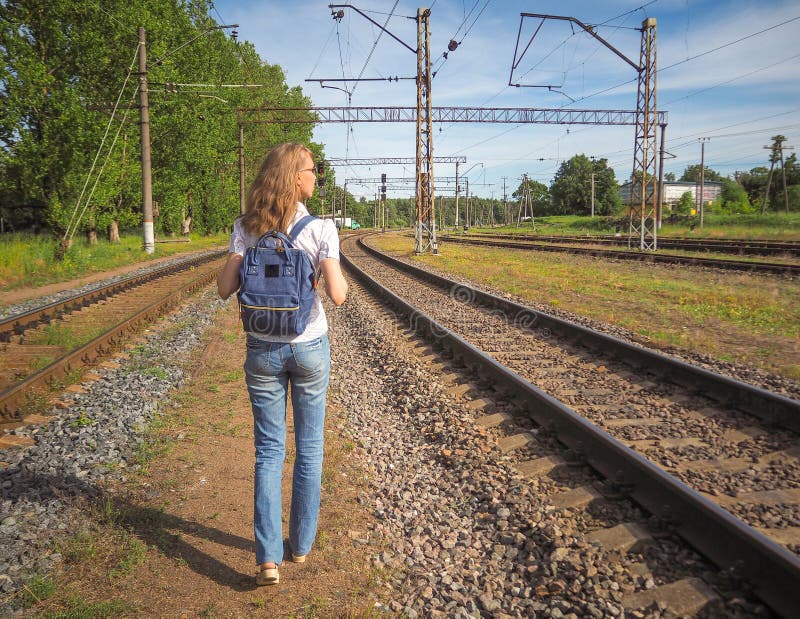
(320, 240)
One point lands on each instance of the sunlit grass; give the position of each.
(776, 226)
(738, 316)
(28, 260)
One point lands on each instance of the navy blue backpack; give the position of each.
(278, 284)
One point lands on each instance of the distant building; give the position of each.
(673, 190)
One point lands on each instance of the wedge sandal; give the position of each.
(268, 576)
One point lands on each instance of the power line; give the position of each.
(733, 79)
(744, 38)
(730, 43)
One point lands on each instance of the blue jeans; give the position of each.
(270, 367)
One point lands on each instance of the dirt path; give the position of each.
(11, 297)
(180, 543)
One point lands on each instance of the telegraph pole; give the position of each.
(660, 183)
(505, 203)
(592, 194)
(701, 210)
(344, 208)
(457, 188)
(241, 170)
(425, 229)
(144, 123)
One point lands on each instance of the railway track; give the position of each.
(42, 346)
(711, 459)
(742, 247)
(782, 268)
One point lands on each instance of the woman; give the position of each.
(285, 178)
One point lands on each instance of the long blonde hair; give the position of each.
(273, 194)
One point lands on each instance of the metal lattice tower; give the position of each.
(642, 229)
(425, 227)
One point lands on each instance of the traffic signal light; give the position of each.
(320, 173)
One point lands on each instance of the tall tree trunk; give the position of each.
(91, 235)
(113, 231)
(62, 248)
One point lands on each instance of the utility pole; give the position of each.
(660, 184)
(642, 222)
(242, 198)
(776, 146)
(467, 214)
(344, 208)
(505, 203)
(425, 229)
(457, 188)
(701, 210)
(783, 176)
(144, 123)
(592, 194)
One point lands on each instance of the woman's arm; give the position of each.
(228, 277)
(333, 278)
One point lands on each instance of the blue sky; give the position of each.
(739, 95)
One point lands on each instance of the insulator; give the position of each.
(452, 45)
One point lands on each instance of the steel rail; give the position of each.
(733, 265)
(759, 402)
(730, 246)
(773, 571)
(18, 323)
(13, 398)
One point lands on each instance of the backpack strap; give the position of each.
(298, 227)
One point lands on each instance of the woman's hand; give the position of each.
(228, 277)
(333, 278)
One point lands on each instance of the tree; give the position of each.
(63, 65)
(754, 183)
(692, 174)
(669, 176)
(685, 204)
(733, 198)
(571, 189)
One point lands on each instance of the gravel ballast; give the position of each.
(93, 441)
(459, 532)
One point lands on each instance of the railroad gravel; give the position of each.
(772, 382)
(457, 531)
(45, 488)
(32, 304)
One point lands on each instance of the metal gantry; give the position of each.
(391, 161)
(520, 115)
(646, 118)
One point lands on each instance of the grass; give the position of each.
(76, 607)
(28, 260)
(156, 443)
(37, 588)
(743, 317)
(776, 226)
(83, 546)
(158, 372)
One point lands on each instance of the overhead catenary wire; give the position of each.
(443, 58)
(733, 79)
(685, 60)
(506, 87)
(70, 230)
